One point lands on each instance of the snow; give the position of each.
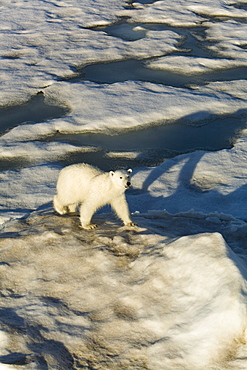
(176, 13)
(199, 180)
(121, 298)
(171, 292)
(194, 66)
(97, 108)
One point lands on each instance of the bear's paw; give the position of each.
(89, 227)
(131, 224)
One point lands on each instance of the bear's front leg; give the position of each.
(86, 213)
(121, 208)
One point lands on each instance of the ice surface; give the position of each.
(199, 180)
(45, 41)
(170, 293)
(94, 108)
(176, 13)
(117, 298)
(194, 66)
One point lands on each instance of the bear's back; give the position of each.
(83, 168)
(80, 171)
(76, 177)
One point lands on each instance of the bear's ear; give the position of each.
(111, 173)
(129, 170)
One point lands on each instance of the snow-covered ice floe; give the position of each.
(117, 298)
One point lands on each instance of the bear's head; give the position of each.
(121, 179)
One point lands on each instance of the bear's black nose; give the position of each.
(128, 183)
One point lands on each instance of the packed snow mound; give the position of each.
(117, 298)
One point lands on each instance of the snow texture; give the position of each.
(118, 298)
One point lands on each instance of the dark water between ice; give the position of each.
(152, 145)
(135, 70)
(35, 110)
(149, 146)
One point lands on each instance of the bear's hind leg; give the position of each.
(58, 206)
(72, 208)
(86, 213)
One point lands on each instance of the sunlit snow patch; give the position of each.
(114, 297)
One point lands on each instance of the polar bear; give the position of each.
(91, 188)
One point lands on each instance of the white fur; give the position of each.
(85, 185)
